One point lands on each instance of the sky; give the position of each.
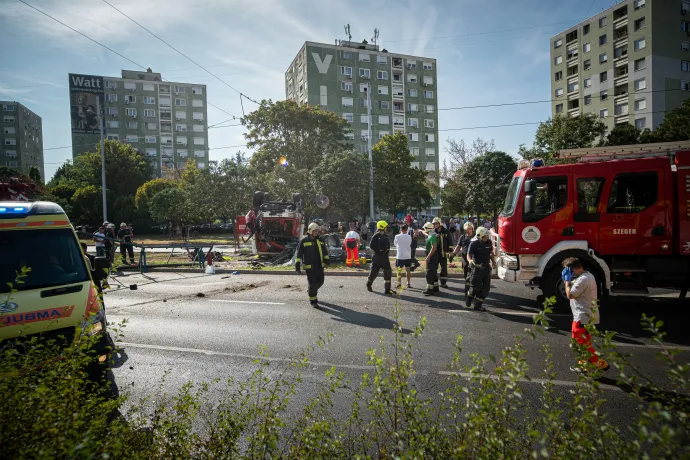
(487, 51)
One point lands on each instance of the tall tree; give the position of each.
(87, 206)
(489, 175)
(676, 125)
(172, 205)
(397, 185)
(623, 134)
(461, 154)
(35, 175)
(142, 199)
(564, 132)
(301, 135)
(344, 178)
(235, 185)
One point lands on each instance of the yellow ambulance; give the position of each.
(47, 285)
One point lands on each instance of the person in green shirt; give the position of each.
(432, 259)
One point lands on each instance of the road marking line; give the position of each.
(569, 383)
(652, 346)
(238, 355)
(246, 301)
(167, 286)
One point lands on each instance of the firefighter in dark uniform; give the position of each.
(461, 248)
(381, 246)
(444, 250)
(479, 256)
(431, 259)
(314, 254)
(125, 235)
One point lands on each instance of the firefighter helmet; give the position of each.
(482, 232)
(381, 225)
(467, 226)
(437, 220)
(313, 226)
(428, 226)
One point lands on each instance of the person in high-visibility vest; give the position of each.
(352, 242)
(314, 253)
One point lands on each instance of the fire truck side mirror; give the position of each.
(530, 187)
(529, 203)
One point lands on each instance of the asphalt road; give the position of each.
(175, 332)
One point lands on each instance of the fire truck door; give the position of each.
(550, 219)
(588, 209)
(633, 221)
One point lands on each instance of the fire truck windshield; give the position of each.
(511, 197)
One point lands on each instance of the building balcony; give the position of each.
(620, 36)
(574, 112)
(620, 80)
(397, 63)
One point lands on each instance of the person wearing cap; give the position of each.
(461, 248)
(479, 256)
(381, 246)
(312, 254)
(125, 236)
(431, 259)
(444, 250)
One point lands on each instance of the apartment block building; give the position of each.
(402, 89)
(166, 121)
(21, 138)
(627, 64)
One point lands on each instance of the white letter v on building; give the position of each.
(322, 65)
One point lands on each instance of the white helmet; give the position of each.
(482, 232)
(313, 226)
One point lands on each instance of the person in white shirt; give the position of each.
(581, 289)
(352, 243)
(100, 242)
(403, 258)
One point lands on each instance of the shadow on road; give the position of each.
(359, 318)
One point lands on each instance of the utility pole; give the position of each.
(371, 156)
(100, 124)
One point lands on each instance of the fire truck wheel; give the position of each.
(552, 285)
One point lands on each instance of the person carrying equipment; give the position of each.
(352, 242)
(314, 253)
(479, 256)
(125, 236)
(432, 258)
(461, 248)
(381, 246)
(444, 249)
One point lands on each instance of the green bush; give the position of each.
(51, 410)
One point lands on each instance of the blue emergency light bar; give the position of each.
(9, 209)
(19, 210)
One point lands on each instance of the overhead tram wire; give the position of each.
(184, 55)
(109, 49)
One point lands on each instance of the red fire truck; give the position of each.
(624, 211)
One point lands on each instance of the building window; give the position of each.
(602, 21)
(181, 128)
(588, 99)
(411, 64)
(413, 137)
(640, 64)
(639, 23)
(197, 103)
(685, 7)
(685, 85)
(427, 66)
(364, 135)
(414, 164)
(640, 84)
(558, 60)
(639, 4)
(385, 105)
(429, 137)
(132, 138)
(640, 123)
(587, 64)
(9, 130)
(640, 104)
(197, 116)
(349, 117)
(198, 128)
(8, 119)
(428, 94)
(346, 71)
(363, 57)
(685, 46)
(412, 92)
(558, 43)
(412, 107)
(587, 47)
(603, 95)
(588, 82)
(112, 124)
(111, 97)
(603, 113)
(111, 84)
(151, 126)
(430, 152)
(381, 59)
(684, 26)
(559, 92)
(150, 113)
(363, 103)
(364, 119)
(346, 86)
(181, 140)
(621, 109)
(347, 54)
(323, 94)
(603, 76)
(132, 125)
(152, 152)
(364, 73)
(180, 103)
(414, 151)
(426, 80)
(149, 87)
(111, 137)
(411, 78)
(428, 123)
(130, 99)
(131, 112)
(603, 57)
(429, 108)
(363, 87)
(558, 75)
(383, 133)
(384, 120)
(150, 139)
(602, 40)
(348, 102)
(685, 66)
(149, 100)
(130, 86)
(383, 90)
(382, 75)
(572, 87)
(585, 29)
(199, 141)
(413, 122)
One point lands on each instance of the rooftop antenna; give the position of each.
(375, 39)
(349, 35)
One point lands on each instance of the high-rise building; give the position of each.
(166, 121)
(21, 139)
(627, 64)
(403, 94)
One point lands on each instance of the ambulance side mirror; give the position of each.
(530, 201)
(530, 187)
